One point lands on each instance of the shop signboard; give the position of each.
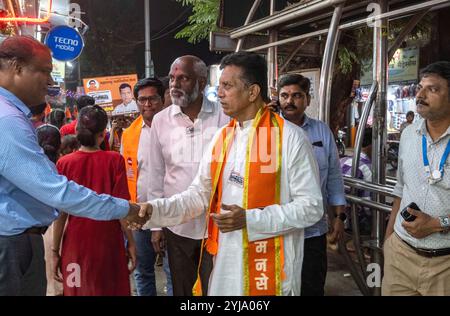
(65, 42)
(105, 90)
(404, 67)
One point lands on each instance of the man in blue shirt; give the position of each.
(294, 97)
(30, 187)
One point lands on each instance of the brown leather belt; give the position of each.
(36, 230)
(429, 253)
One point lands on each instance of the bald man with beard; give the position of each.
(179, 136)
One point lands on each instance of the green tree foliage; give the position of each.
(202, 21)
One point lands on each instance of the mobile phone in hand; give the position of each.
(408, 217)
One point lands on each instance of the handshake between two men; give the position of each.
(232, 219)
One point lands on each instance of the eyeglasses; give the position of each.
(151, 99)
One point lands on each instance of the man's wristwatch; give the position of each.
(342, 216)
(445, 223)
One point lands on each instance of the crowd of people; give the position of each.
(237, 198)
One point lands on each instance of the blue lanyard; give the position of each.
(426, 163)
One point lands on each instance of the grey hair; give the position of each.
(200, 68)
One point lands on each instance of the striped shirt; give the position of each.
(364, 171)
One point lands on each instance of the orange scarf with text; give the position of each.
(263, 259)
(130, 145)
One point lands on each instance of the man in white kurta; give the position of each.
(300, 195)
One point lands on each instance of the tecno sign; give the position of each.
(65, 43)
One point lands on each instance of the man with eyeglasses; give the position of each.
(180, 135)
(294, 98)
(135, 148)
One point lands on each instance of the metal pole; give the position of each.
(247, 21)
(272, 61)
(297, 12)
(380, 74)
(288, 40)
(355, 163)
(432, 5)
(363, 185)
(399, 12)
(79, 83)
(326, 73)
(148, 55)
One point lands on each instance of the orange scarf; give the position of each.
(130, 145)
(263, 259)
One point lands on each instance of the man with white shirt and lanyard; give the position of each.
(417, 246)
(180, 133)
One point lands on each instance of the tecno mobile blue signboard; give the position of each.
(65, 42)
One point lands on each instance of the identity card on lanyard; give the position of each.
(435, 175)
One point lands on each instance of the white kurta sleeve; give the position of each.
(189, 204)
(305, 207)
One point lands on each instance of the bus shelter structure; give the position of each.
(288, 30)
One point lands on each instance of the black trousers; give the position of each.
(22, 265)
(184, 255)
(314, 271)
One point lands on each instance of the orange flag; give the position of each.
(48, 110)
(68, 114)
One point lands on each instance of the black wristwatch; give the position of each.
(342, 216)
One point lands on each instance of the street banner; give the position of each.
(59, 70)
(106, 92)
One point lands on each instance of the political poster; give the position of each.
(113, 93)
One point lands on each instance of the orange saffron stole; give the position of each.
(130, 145)
(263, 260)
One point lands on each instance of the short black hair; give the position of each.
(57, 117)
(149, 82)
(123, 86)
(254, 69)
(440, 68)
(49, 139)
(92, 120)
(38, 109)
(84, 101)
(367, 139)
(69, 144)
(297, 79)
(410, 113)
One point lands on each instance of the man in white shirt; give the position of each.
(180, 133)
(250, 212)
(417, 245)
(128, 105)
